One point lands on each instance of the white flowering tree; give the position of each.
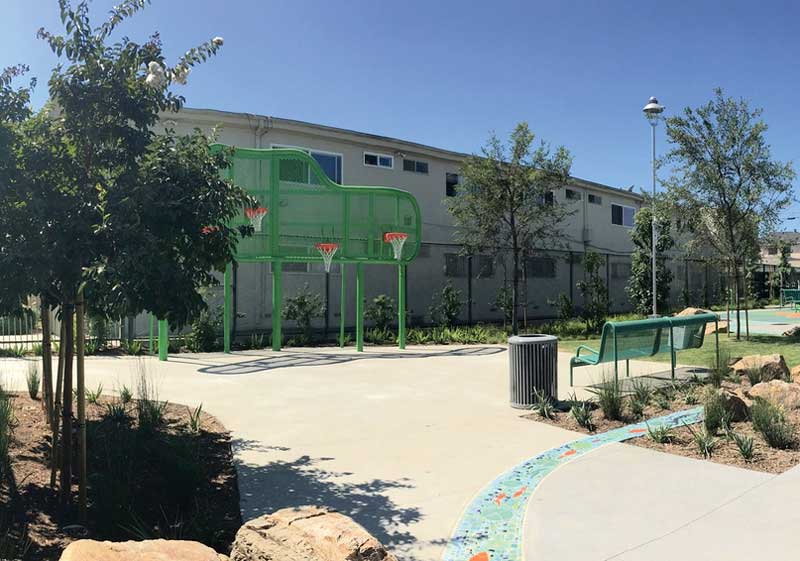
(101, 208)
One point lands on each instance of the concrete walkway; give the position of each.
(400, 440)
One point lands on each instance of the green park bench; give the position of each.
(626, 340)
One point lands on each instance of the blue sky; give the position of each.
(447, 73)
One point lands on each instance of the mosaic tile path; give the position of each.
(491, 527)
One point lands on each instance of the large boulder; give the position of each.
(778, 392)
(721, 326)
(737, 404)
(792, 331)
(148, 550)
(772, 367)
(795, 373)
(692, 312)
(306, 534)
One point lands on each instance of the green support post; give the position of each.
(276, 305)
(228, 304)
(342, 307)
(152, 341)
(401, 306)
(359, 307)
(163, 339)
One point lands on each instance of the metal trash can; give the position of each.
(533, 365)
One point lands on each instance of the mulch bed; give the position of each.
(28, 501)
(765, 459)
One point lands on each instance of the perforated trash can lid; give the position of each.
(531, 339)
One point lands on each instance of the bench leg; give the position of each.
(672, 363)
(570, 374)
(627, 368)
(616, 375)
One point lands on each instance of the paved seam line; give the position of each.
(690, 522)
(491, 527)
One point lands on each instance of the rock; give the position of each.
(792, 332)
(737, 404)
(795, 374)
(772, 367)
(692, 312)
(778, 392)
(306, 534)
(722, 327)
(148, 550)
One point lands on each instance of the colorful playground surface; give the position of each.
(767, 321)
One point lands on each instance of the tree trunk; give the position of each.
(514, 291)
(55, 452)
(65, 490)
(81, 382)
(47, 360)
(737, 301)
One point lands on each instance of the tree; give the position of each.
(595, 293)
(446, 305)
(785, 269)
(505, 203)
(99, 206)
(640, 283)
(724, 181)
(381, 312)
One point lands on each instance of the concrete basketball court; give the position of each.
(399, 440)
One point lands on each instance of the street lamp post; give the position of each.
(653, 113)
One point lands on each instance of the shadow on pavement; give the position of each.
(288, 359)
(304, 481)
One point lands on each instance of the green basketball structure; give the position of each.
(303, 216)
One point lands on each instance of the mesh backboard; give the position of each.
(304, 207)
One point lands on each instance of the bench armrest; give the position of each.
(584, 347)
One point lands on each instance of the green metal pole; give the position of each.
(152, 345)
(276, 305)
(342, 307)
(163, 339)
(401, 306)
(359, 307)
(228, 304)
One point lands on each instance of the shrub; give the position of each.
(125, 395)
(744, 444)
(303, 308)
(636, 406)
(753, 375)
(504, 302)
(446, 305)
(717, 374)
(594, 291)
(116, 412)
(203, 337)
(149, 410)
(641, 391)
(257, 341)
(195, 418)
(662, 434)
(715, 413)
(133, 347)
(379, 336)
(771, 422)
(33, 380)
(543, 405)
(662, 399)
(93, 396)
(690, 396)
(609, 398)
(706, 441)
(6, 425)
(581, 411)
(381, 312)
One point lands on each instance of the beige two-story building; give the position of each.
(602, 218)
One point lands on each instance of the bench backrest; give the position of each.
(634, 339)
(688, 332)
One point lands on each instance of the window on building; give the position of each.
(455, 265)
(595, 199)
(416, 166)
(485, 266)
(298, 171)
(378, 160)
(622, 215)
(772, 251)
(292, 267)
(547, 199)
(540, 267)
(620, 270)
(450, 182)
(573, 195)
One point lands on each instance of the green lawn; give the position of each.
(757, 345)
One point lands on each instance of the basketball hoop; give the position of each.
(255, 216)
(327, 250)
(397, 239)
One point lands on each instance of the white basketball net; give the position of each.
(327, 250)
(255, 216)
(397, 239)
